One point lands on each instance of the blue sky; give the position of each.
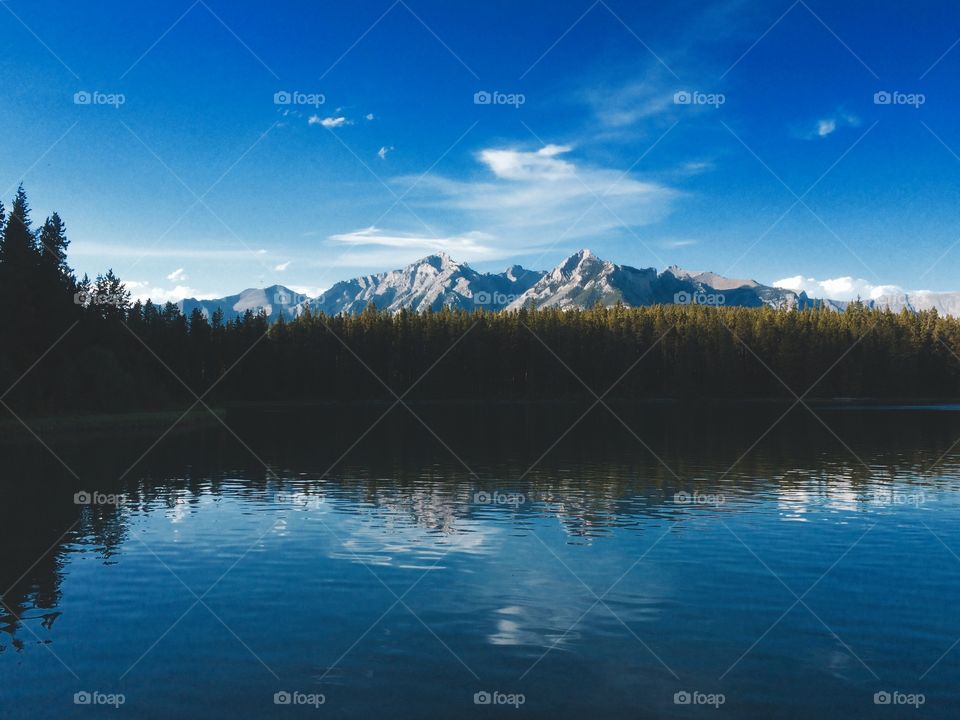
(184, 174)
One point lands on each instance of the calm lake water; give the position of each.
(685, 562)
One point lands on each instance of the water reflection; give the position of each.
(604, 557)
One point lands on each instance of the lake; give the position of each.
(664, 561)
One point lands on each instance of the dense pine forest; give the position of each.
(76, 345)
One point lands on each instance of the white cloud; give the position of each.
(839, 288)
(143, 291)
(282, 266)
(825, 127)
(310, 291)
(541, 164)
(893, 296)
(369, 116)
(329, 122)
(177, 275)
(382, 152)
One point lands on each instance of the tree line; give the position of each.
(81, 345)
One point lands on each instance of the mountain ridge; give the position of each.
(579, 281)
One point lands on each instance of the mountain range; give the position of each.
(580, 281)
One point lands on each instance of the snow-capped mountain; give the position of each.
(434, 282)
(583, 280)
(580, 281)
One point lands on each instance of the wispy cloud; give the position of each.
(382, 152)
(282, 266)
(172, 253)
(531, 198)
(520, 201)
(408, 246)
(177, 275)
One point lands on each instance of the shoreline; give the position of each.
(108, 423)
(142, 420)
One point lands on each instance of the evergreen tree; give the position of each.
(53, 252)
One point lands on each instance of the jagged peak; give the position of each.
(576, 260)
(438, 260)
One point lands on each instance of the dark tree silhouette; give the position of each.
(98, 352)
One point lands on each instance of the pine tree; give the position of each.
(53, 252)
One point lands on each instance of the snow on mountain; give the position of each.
(583, 280)
(580, 281)
(434, 282)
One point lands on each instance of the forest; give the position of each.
(73, 345)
